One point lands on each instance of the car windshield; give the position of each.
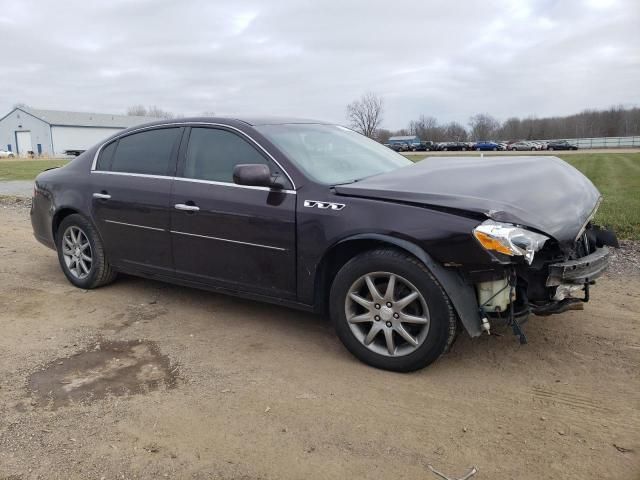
(332, 154)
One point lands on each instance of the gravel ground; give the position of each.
(20, 188)
(146, 380)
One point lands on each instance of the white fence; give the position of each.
(605, 142)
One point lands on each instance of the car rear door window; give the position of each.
(104, 160)
(213, 153)
(149, 152)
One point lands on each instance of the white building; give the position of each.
(52, 132)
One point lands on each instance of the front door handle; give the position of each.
(186, 208)
(102, 196)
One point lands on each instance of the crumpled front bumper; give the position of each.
(580, 271)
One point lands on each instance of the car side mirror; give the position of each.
(255, 175)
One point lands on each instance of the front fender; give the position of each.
(461, 295)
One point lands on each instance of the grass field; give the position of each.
(617, 176)
(26, 169)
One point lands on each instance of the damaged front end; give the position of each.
(537, 274)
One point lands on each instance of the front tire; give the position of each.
(390, 312)
(81, 253)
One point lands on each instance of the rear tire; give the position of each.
(81, 253)
(401, 336)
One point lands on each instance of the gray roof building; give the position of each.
(54, 132)
(86, 119)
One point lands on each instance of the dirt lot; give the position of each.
(146, 380)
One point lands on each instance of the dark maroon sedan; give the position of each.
(318, 217)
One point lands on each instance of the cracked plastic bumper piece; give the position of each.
(580, 271)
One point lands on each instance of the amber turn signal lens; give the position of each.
(491, 243)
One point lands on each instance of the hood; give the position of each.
(541, 192)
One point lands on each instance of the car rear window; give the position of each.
(147, 152)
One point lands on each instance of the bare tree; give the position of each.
(365, 114)
(157, 112)
(455, 131)
(151, 111)
(383, 135)
(426, 128)
(137, 111)
(483, 126)
(612, 122)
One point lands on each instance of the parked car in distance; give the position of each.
(522, 146)
(6, 154)
(487, 145)
(561, 145)
(396, 147)
(315, 216)
(453, 146)
(423, 147)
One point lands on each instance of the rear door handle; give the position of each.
(102, 196)
(186, 208)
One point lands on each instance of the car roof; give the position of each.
(231, 120)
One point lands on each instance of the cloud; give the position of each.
(309, 59)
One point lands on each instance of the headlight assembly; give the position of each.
(509, 240)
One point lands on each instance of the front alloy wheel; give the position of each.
(390, 311)
(394, 322)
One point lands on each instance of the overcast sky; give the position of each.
(449, 59)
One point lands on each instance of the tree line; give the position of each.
(365, 115)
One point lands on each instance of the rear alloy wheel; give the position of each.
(76, 252)
(81, 253)
(390, 312)
(550, 148)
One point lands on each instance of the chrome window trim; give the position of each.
(229, 184)
(143, 175)
(195, 180)
(189, 124)
(136, 226)
(229, 240)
